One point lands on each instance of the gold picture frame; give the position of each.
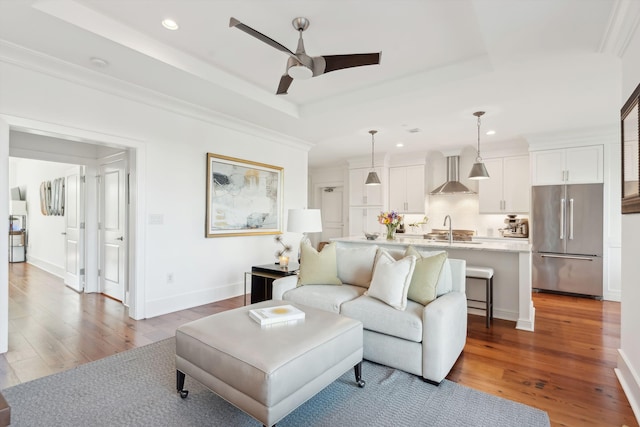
(630, 135)
(243, 197)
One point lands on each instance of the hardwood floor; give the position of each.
(565, 367)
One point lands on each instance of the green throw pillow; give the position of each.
(425, 276)
(318, 268)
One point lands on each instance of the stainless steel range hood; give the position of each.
(453, 184)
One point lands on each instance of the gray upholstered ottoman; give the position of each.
(268, 371)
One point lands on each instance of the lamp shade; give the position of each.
(478, 171)
(304, 221)
(372, 179)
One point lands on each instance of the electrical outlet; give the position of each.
(169, 278)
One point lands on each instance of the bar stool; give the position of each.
(486, 274)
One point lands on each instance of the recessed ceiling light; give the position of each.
(399, 145)
(491, 132)
(170, 24)
(99, 62)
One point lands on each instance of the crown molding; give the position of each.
(27, 59)
(601, 135)
(97, 23)
(623, 23)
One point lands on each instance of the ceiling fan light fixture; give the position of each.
(299, 72)
(478, 170)
(372, 178)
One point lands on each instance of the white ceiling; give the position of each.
(534, 66)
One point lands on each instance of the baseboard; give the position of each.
(630, 382)
(497, 313)
(56, 270)
(174, 303)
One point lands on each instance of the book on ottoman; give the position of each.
(278, 314)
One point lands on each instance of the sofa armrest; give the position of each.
(458, 274)
(282, 285)
(444, 334)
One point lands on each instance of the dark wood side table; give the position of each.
(262, 277)
(5, 412)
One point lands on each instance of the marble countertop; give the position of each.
(502, 245)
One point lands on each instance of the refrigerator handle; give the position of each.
(561, 219)
(570, 219)
(583, 258)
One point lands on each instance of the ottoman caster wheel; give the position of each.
(184, 393)
(361, 383)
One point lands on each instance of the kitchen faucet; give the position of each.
(450, 231)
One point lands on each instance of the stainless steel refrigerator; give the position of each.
(566, 232)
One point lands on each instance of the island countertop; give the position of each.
(494, 245)
(510, 260)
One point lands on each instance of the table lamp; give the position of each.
(304, 221)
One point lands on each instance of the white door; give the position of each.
(74, 229)
(332, 213)
(113, 239)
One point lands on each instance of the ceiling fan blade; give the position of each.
(339, 62)
(233, 22)
(285, 82)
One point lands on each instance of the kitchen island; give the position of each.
(510, 260)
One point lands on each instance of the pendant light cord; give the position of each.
(372, 132)
(478, 114)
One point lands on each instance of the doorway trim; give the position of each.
(316, 199)
(137, 159)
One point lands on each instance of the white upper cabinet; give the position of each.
(578, 165)
(361, 194)
(406, 189)
(507, 189)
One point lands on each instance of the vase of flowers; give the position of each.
(391, 220)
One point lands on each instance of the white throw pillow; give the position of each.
(391, 279)
(355, 265)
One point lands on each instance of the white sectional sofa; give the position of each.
(425, 340)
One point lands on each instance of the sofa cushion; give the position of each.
(318, 268)
(425, 276)
(391, 279)
(379, 317)
(355, 265)
(325, 297)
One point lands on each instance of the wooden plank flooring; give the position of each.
(565, 367)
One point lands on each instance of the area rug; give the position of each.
(137, 388)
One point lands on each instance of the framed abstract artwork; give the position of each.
(243, 197)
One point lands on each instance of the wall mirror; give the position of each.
(630, 131)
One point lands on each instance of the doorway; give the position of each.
(59, 241)
(85, 141)
(332, 208)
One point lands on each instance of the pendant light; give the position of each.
(478, 170)
(372, 178)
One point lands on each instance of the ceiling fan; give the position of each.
(302, 66)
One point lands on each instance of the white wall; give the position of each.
(629, 354)
(45, 240)
(174, 139)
